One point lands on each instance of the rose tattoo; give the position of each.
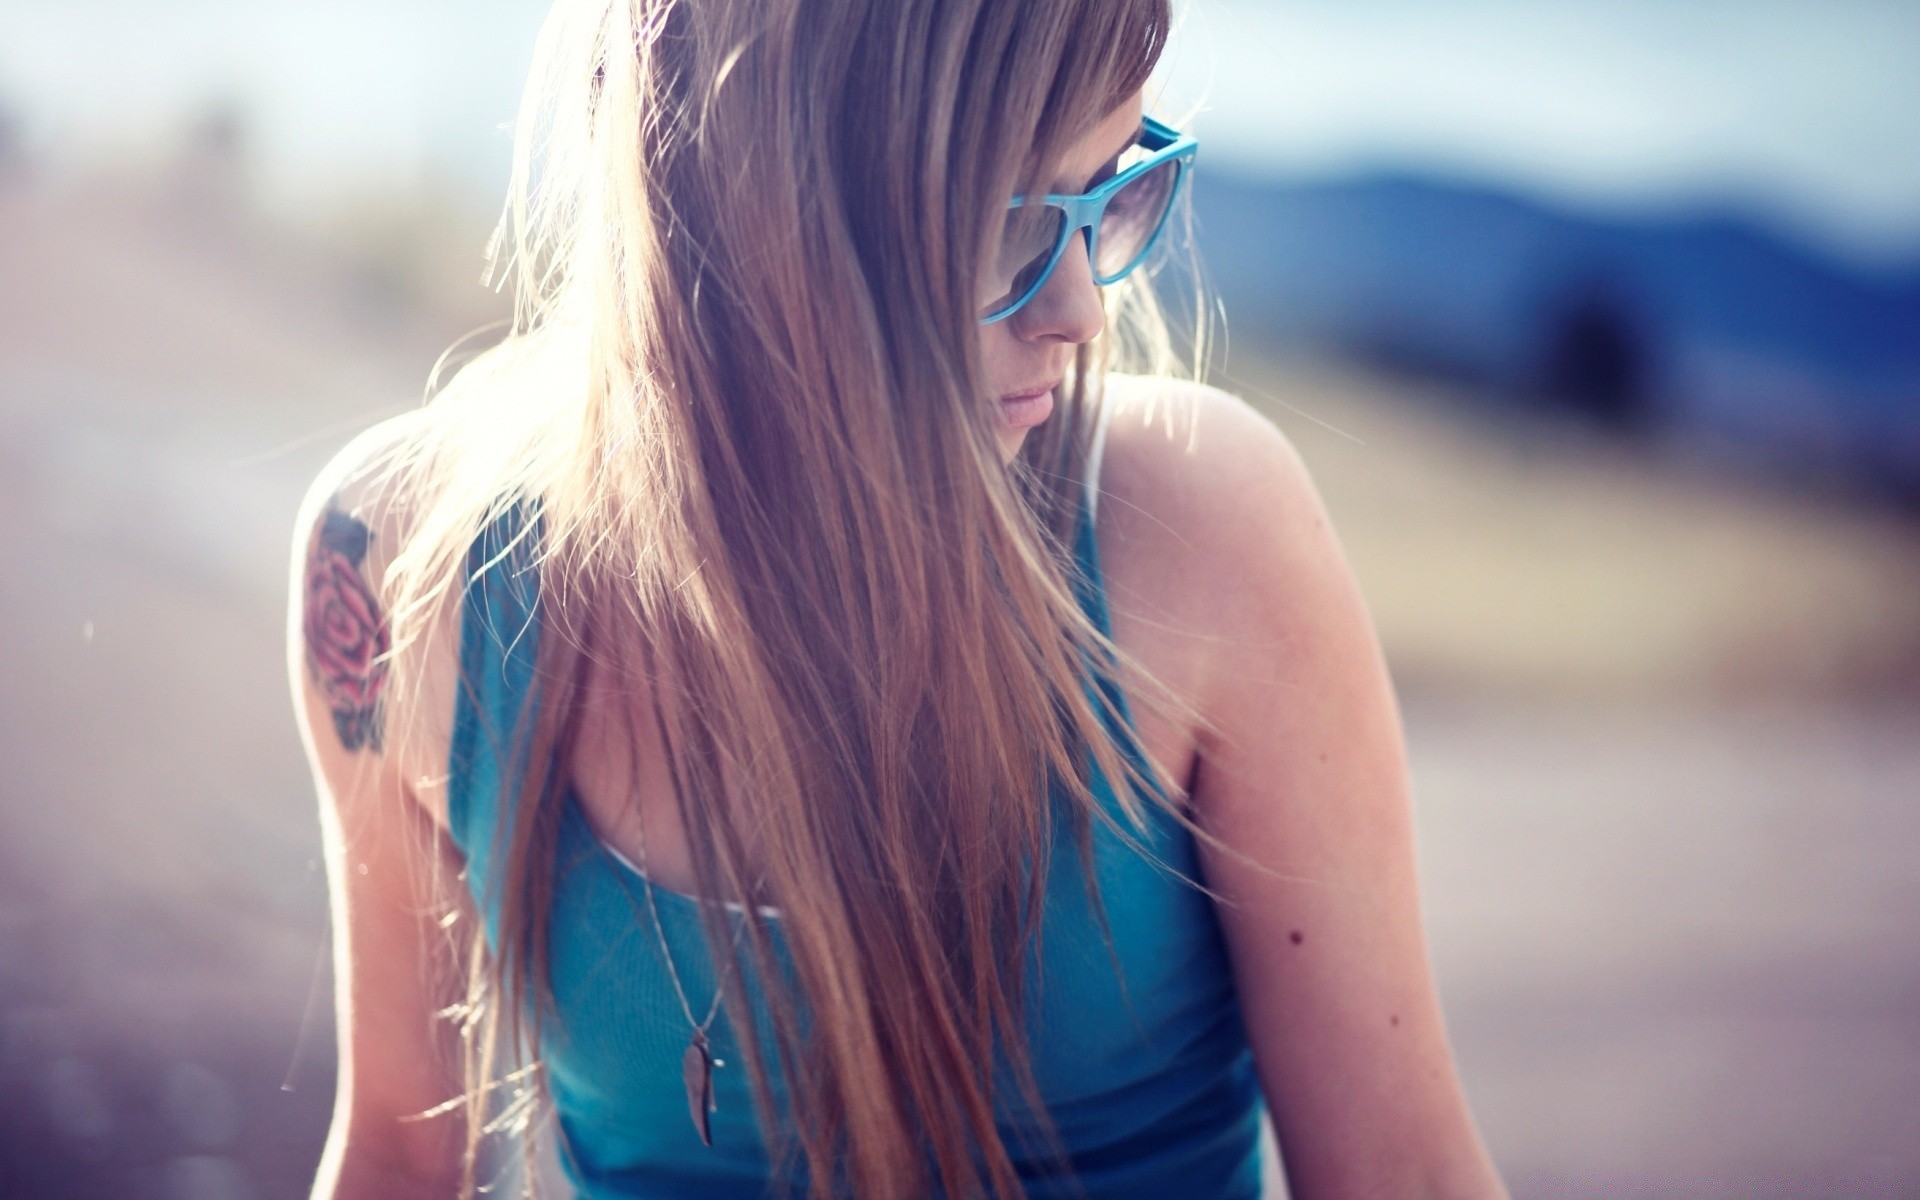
(346, 633)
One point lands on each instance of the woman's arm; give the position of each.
(1304, 773)
(391, 871)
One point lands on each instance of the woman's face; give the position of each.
(1027, 355)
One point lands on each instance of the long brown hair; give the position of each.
(744, 390)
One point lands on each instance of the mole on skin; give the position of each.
(1296, 937)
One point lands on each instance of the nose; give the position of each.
(1068, 307)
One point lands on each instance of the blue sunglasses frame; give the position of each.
(1084, 211)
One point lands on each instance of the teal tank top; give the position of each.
(1138, 1050)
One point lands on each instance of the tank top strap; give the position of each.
(499, 648)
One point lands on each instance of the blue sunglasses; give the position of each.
(1123, 217)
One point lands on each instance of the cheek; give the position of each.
(999, 355)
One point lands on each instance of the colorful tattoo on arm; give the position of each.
(346, 633)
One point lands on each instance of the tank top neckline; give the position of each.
(575, 811)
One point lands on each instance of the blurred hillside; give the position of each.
(1530, 554)
(1706, 330)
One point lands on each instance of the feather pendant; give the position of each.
(696, 1070)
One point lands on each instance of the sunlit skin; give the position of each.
(1027, 354)
(1227, 584)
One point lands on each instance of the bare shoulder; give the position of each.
(361, 474)
(1203, 472)
(369, 692)
(1210, 526)
(1198, 445)
(1237, 589)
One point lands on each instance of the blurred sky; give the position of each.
(1804, 112)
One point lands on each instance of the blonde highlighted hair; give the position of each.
(743, 387)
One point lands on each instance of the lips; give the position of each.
(1028, 393)
(1029, 406)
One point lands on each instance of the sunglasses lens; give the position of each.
(1133, 216)
(1028, 242)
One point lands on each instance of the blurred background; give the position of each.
(1597, 322)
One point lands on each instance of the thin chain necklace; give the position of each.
(697, 1064)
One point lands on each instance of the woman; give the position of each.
(780, 708)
